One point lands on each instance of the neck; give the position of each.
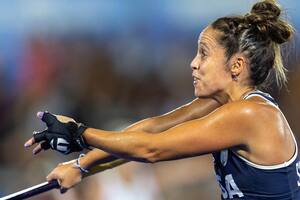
(237, 92)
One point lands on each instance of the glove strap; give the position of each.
(80, 139)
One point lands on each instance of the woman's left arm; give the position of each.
(226, 127)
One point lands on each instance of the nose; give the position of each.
(195, 64)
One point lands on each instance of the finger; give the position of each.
(39, 136)
(63, 186)
(40, 114)
(46, 117)
(63, 190)
(45, 145)
(29, 142)
(53, 176)
(40, 147)
(37, 149)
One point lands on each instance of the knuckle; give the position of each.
(49, 178)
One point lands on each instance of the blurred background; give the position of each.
(109, 63)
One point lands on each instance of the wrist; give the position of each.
(80, 136)
(78, 164)
(86, 162)
(69, 162)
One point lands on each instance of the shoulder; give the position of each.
(243, 120)
(248, 113)
(248, 108)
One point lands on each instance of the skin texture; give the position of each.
(97, 160)
(233, 125)
(215, 132)
(208, 78)
(213, 73)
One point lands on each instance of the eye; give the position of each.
(203, 53)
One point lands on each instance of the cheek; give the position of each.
(210, 71)
(215, 77)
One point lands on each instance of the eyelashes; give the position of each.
(202, 53)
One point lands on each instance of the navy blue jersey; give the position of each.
(242, 179)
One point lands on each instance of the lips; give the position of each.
(196, 80)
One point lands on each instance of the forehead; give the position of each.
(208, 37)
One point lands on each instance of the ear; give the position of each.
(238, 64)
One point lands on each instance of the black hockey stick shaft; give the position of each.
(32, 191)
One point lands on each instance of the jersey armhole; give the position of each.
(271, 102)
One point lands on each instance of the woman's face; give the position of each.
(210, 70)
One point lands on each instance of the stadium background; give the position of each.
(108, 64)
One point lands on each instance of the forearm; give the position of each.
(97, 156)
(196, 109)
(131, 145)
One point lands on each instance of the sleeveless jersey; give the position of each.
(242, 179)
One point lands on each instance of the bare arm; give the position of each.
(193, 110)
(98, 160)
(191, 138)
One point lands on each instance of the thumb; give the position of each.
(46, 117)
(53, 176)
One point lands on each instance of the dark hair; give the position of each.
(258, 35)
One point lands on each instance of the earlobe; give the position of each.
(234, 77)
(235, 71)
(237, 68)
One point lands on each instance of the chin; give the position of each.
(201, 93)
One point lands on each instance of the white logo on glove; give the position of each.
(62, 145)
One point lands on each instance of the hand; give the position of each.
(62, 134)
(66, 175)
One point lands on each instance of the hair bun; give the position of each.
(265, 17)
(266, 10)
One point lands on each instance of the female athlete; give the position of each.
(255, 152)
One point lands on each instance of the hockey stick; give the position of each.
(32, 191)
(46, 186)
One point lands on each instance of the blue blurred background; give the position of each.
(110, 63)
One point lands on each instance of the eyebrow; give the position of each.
(205, 45)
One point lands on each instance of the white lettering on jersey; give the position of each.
(223, 190)
(224, 157)
(298, 172)
(231, 187)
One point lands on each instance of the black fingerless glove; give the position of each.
(60, 136)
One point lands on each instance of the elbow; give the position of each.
(152, 154)
(150, 150)
(147, 153)
(152, 157)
